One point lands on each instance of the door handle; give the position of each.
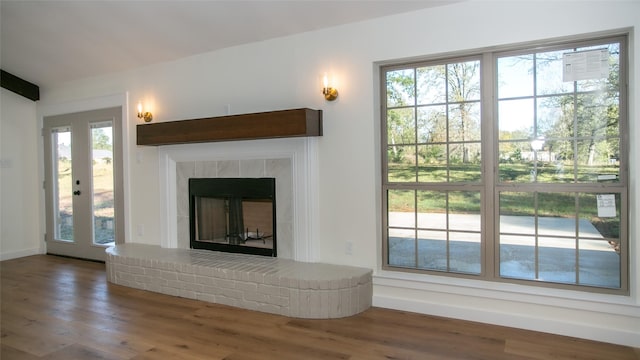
(77, 192)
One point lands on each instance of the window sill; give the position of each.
(615, 304)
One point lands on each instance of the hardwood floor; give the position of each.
(59, 308)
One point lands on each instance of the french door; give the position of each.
(83, 186)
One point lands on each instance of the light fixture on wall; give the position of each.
(146, 116)
(329, 92)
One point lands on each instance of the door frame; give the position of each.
(51, 109)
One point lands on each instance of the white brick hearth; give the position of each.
(273, 285)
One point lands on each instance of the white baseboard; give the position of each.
(592, 320)
(20, 253)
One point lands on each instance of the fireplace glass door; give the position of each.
(233, 215)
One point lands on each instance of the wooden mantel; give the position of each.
(264, 125)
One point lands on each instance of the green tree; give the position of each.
(400, 121)
(101, 140)
(591, 114)
(459, 87)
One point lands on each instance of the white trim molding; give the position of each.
(301, 152)
(599, 317)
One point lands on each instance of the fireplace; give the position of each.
(291, 161)
(233, 215)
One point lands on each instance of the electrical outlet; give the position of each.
(140, 229)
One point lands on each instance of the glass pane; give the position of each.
(555, 162)
(432, 163)
(599, 243)
(557, 260)
(600, 218)
(517, 256)
(432, 249)
(401, 233)
(557, 214)
(464, 81)
(401, 126)
(400, 88)
(599, 266)
(515, 119)
(431, 85)
(432, 210)
(464, 122)
(597, 116)
(596, 163)
(465, 162)
(516, 162)
(102, 182)
(63, 184)
(549, 74)
(401, 165)
(402, 208)
(610, 57)
(464, 210)
(515, 76)
(611, 81)
(517, 246)
(517, 213)
(464, 252)
(402, 248)
(555, 117)
(432, 124)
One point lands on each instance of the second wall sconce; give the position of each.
(146, 116)
(329, 92)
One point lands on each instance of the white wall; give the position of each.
(284, 73)
(20, 182)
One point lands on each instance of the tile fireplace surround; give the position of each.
(292, 162)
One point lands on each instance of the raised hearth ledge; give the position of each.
(273, 285)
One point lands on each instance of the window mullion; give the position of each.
(489, 127)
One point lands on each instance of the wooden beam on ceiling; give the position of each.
(19, 86)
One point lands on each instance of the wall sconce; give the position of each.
(329, 92)
(147, 116)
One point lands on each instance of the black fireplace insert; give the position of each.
(233, 215)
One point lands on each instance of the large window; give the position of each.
(510, 165)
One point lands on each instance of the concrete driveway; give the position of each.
(562, 254)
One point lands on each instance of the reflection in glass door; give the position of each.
(102, 182)
(62, 161)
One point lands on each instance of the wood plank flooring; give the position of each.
(60, 308)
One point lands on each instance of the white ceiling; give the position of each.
(48, 42)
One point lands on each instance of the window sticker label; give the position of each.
(584, 65)
(606, 205)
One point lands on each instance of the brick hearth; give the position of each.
(273, 285)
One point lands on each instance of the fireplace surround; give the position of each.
(291, 161)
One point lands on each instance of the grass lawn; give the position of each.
(551, 204)
(103, 211)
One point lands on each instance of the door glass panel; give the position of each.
(102, 182)
(62, 183)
